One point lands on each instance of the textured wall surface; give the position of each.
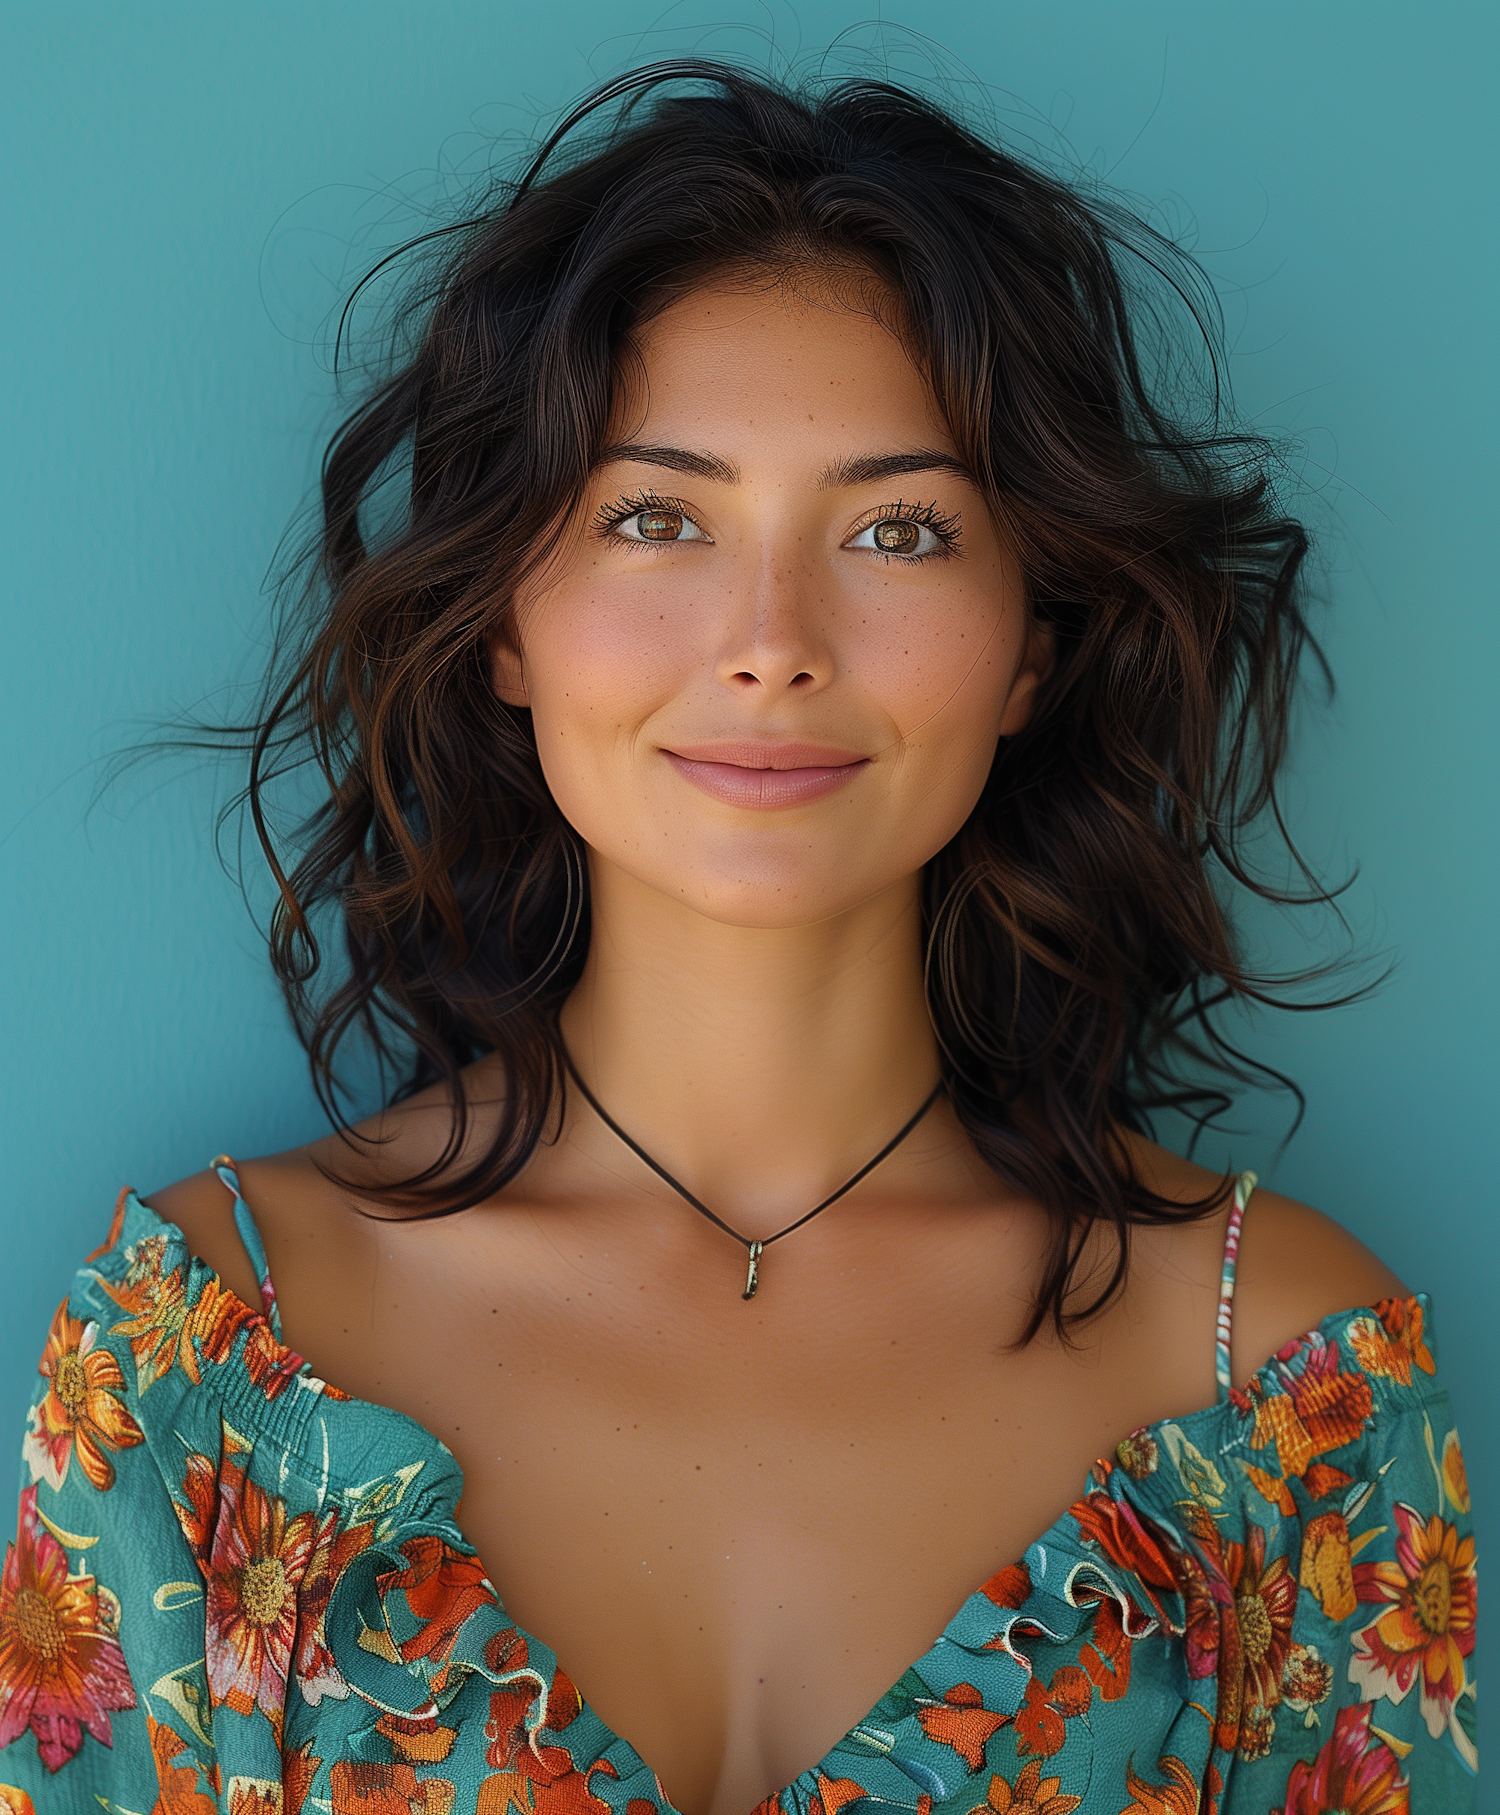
(187, 188)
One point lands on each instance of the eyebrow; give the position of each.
(857, 469)
(675, 459)
(863, 469)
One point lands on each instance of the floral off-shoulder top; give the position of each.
(234, 1588)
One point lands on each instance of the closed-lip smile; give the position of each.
(756, 773)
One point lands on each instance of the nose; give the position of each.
(775, 639)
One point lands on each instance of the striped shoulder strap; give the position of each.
(254, 1246)
(1243, 1186)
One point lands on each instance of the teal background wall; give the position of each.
(186, 189)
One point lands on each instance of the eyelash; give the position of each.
(608, 517)
(947, 528)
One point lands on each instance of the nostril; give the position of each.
(798, 679)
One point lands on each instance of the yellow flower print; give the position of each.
(1455, 1475)
(1327, 1565)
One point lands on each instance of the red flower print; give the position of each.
(1265, 1598)
(1239, 1625)
(1009, 1587)
(1106, 1654)
(961, 1721)
(1352, 1775)
(61, 1667)
(1132, 1543)
(334, 1546)
(1029, 1794)
(443, 1588)
(529, 1777)
(176, 1777)
(1394, 1345)
(82, 1410)
(370, 1789)
(1427, 1628)
(1041, 1718)
(252, 1558)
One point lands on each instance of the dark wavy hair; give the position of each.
(1077, 945)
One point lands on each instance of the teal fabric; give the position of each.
(235, 1588)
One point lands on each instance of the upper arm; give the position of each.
(203, 1208)
(1296, 1267)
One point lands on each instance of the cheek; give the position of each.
(600, 659)
(942, 666)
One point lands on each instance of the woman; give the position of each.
(781, 761)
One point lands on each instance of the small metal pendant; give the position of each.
(752, 1278)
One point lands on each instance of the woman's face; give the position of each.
(770, 661)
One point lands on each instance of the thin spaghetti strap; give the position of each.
(254, 1246)
(1243, 1186)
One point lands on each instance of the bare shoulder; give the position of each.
(305, 1201)
(1296, 1265)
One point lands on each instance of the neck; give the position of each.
(760, 1066)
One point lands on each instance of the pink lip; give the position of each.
(766, 775)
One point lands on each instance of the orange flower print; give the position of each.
(373, 1789)
(82, 1409)
(1427, 1628)
(1327, 1568)
(165, 1330)
(298, 1769)
(176, 1776)
(1306, 1680)
(15, 1801)
(1354, 1774)
(1030, 1794)
(962, 1721)
(1392, 1346)
(61, 1667)
(252, 1558)
(531, 1776)
(1323, 1408)
(1178, 1796)
(833, 1794)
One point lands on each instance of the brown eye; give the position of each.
(894, 537)
(660, 522)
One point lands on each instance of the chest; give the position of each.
(736, 1524)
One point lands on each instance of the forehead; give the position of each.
(758, 363)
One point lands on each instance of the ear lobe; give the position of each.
(1036, 667)
(507, 671)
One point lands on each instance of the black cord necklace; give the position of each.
(753, 1249)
